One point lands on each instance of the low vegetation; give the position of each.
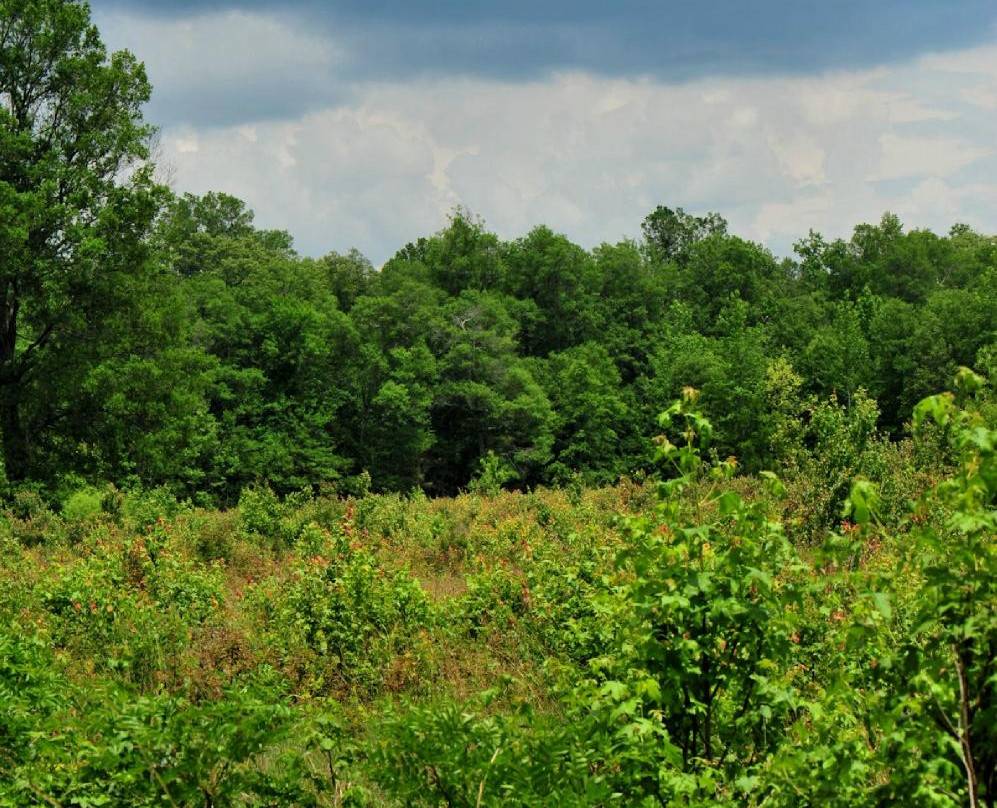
(702, 638)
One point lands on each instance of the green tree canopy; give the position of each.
(76, 198)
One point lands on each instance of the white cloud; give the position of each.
(981, 95)
(921, 156)
(904, 109)
(792, 219)
(221, 46)
(934, 200)
(836, 99)
(800, 158)
(981, 60)
(185, 143)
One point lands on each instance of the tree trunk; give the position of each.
(11, 432)
(15, 443)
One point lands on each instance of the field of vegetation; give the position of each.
(699, 639)
(669, 522)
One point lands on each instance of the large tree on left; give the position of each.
(76, 197)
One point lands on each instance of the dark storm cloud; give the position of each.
(219, 69)
(237, 103)
(669, 40)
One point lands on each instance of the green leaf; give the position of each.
(747, 783)
(882, 603)
(730, 503)
(615, 690)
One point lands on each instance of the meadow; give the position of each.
(696, 638)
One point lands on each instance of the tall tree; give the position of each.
(463, 256)
(559, 277)
(486, 399)
(76, 196)
(719, 269)
(591, 418)
(669, 234)
(630, 304)
(287, 362)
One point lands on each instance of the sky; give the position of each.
(363, 123)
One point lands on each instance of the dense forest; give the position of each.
(237, 362)
(671, 521)
(209, 356)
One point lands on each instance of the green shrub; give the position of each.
(118, 748)
(260, 513)
(458, 755)
(131, 609)
(341, 621)
(31, 521)
(84, 504)
(143, 508)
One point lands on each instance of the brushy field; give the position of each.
(129, 602)
(703, 639)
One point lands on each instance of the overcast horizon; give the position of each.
(363, 124)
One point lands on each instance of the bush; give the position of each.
(83, 505)
(31, 521)
(339, 623)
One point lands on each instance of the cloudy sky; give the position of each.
(362, 123)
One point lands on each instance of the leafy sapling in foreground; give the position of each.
(709, 614)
